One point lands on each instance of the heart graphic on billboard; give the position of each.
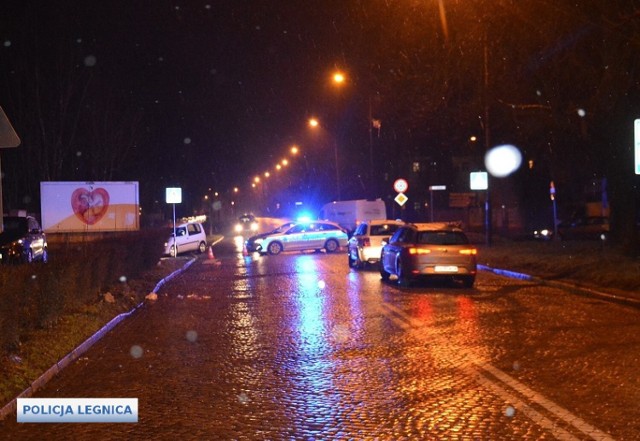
(90, 205)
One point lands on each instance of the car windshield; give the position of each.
(383, 230)
(442, 238)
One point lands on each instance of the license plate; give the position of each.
(446, 269)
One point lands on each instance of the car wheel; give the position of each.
(274, 248)
(28, 256)
(403, 277)
(202, 247)
(384, 275)
(331, 246)
(45, 255)
(468, 281)
(352, 261)
(359, 263)
(172, 251)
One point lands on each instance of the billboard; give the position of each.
(80, 207)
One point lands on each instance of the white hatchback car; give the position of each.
(314, 235)
(365, 244)
(190, 236)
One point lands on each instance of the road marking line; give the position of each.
(405, 321)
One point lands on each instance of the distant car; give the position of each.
(313, 235)
(366, 243)
(22, 240)
(542, 234)
(591, 227)
(251, 244)
(247, 223)
(429, 250)
(190, 236)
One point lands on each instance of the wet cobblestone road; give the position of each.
(298, 346)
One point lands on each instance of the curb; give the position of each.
(583, 290)
(65, 361)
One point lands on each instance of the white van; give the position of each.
(348, 214)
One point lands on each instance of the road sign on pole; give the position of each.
(401, 185)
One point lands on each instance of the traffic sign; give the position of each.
(401, 185)
(478, 181)
(174, 195)
(401, 199)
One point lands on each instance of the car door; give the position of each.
(294, 238)
(318, 235)
(193, 237)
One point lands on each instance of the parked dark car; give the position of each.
(22, 240)
(591, 227)
(433, 250)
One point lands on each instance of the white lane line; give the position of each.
(410, 323)
(521, 406)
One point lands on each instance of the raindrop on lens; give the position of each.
(503, 160)
(123, 279)
(321, 284)
(90, 60)
(192, 336)
(510, 411)
(7, 43)
(136, 351)
(187, 140)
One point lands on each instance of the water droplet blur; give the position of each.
(582, 113)
(7, 43)
(243, 398)
(136, 351)
(187, 140)
(123, 279)
(192, 336)
(321, 284)
(503, 160)
(510, 411)
(516, 366)
(90, 60)
(78, 153)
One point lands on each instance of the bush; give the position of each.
(36, 296)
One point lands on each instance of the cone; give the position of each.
(211, 256)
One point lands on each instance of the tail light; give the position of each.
(418, 251)
(469, 252)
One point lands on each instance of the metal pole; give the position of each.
(335, 149)
(175, 238)
(431, 203)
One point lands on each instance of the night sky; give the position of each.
(207, 94)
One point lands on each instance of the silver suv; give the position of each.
(190, 236)
(366, 243)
